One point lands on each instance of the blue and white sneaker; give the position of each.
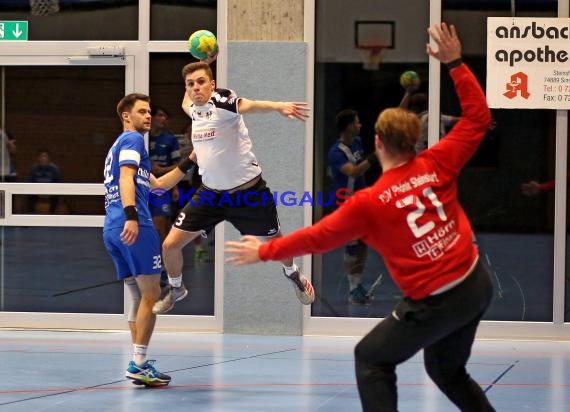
(146, 374)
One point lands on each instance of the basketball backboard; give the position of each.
(372, 33)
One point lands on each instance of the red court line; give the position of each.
(262, 385)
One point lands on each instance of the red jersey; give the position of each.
(411, 215)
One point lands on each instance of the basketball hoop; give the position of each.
(44, 7)
(371, 56)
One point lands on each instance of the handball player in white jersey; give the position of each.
(232, 186)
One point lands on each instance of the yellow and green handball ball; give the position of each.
(202, 42)
(410, 79)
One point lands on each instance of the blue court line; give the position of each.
(500, 376)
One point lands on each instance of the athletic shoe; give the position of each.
(359, 296)
(302, 286)
(173, 295)
(146, 374)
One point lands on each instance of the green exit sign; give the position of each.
(13, 30)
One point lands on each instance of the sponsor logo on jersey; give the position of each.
(203, 134)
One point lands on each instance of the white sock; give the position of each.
(353, 280)
(175, 281)
(290, 269)
(139, 354)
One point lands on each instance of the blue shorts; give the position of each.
(141, 258)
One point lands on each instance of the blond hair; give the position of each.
(399, 130)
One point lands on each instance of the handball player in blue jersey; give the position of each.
(128, 232)
(347, 165)
(164, 152)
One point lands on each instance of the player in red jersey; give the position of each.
(412, 217)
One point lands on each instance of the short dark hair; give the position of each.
(193, 67)
(344, 118)
(128, 102)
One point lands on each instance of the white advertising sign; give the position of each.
(528, 63)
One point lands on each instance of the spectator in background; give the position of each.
(164, 153)
(44, 171)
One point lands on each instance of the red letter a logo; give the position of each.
(518, 83)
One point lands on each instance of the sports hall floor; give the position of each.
(83, 371)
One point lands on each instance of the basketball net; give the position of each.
(371, 56)
(44, 7)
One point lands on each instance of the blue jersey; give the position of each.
(128, 149)
(44, 174)
(164, 149)
(341, 154)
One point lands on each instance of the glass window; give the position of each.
(68, 113)
(176, 20)
(351, 75)
(58, 205)
(43, 285)
(513, 227)
(513, 230)
(75, 19)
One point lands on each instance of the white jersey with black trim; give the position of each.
(222, 143)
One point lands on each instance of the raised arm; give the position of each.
(292, 110)
(457, 147)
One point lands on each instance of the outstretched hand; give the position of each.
(448, 44)
(244, 252)
(295, 110)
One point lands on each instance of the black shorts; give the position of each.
(251, 211)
